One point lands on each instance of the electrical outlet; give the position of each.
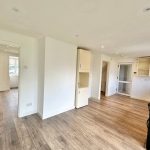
(29, 104)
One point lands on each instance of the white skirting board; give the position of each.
(62, 110)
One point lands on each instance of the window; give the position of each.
(13, 66)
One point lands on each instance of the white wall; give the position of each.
(41, 72)
(55, 83)
(95, 69)
(28, 70)
(97, 60)
(59, 77)
(113, 81)
(4, 72)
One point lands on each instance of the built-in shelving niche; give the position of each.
(83, 79)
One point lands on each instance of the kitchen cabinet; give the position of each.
(83, 75)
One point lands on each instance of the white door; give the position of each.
(125, 79)
(82, 97)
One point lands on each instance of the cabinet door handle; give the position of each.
(79, 92)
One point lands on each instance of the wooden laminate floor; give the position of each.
(117, 123)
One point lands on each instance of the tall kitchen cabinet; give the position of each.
(83, 74)
(144, 66)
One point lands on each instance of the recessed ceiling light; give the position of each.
(15, 9)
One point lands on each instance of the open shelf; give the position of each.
(83, 79)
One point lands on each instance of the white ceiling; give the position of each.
(120, 25)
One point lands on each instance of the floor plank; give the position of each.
(116, 123)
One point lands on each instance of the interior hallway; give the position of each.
(117, 123)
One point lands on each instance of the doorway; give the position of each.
(9, 76)
(104, 78)
(13, 71)
(124, 79)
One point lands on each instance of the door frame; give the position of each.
(128, 82)
(107, 77)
